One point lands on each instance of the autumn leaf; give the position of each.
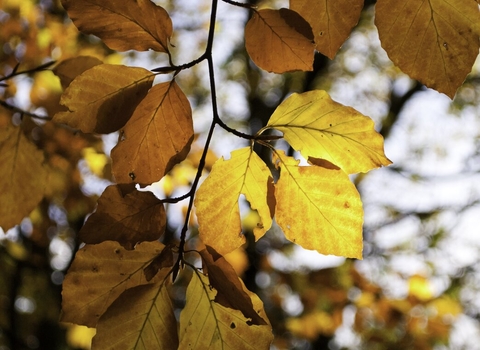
(157, 137)
(205, 324)
(125, 215)
(217, 198)
(331, 21)
(24, 176)
(99, 274)
(141, 318)
(103, 98)
(435, 42)
(71, 68)
(318, 208)
(319, 127)
(123, 25)
(279, 41)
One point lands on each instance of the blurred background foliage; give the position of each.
(418, 286)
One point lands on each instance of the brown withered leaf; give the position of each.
(157, 137)
(125, 215)
(279, 41)
(99, 274)
(225, 280)
(103, 98)
(24, 176)
(123, 25)
(71, 68)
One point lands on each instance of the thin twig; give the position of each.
(23, 112)
(240, 4)
(14, 73)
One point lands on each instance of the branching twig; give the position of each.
(14, 73)
(23, 112)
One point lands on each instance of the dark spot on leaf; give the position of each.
(346, 205)
(132, 176)
(232, 325)
(94, 268)
(321, 33)
(330, 125)
(117, 251)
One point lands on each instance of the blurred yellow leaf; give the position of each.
(217, 198)
(331, 21)
(157, 137)
(318, 208)
(319, 127)
(420, 287)
(279, 41)
(80, 337)
(435, 41)
(311, 325)
(103, 98)
(446, 306)
(95, 161)
(123, 25)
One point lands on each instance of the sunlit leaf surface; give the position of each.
(71, 68)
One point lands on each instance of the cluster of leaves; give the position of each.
(120, 281)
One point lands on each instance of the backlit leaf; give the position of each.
(123, 25)
(205, 324)
(24, 177)
(157, 137)
(141, 318)
(125, 215)
(99, 274)
(216, 200)
(279, 41)
(331, 21)
(435, 41)
(71, 68)
(319, 127)
(318, 208)
(103, 98)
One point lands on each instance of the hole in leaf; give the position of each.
(232, 325)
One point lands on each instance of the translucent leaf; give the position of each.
(318, 208)
(157, 137)
(205, 324)
(331, 21)
(216, 200)
(319, 127)
(71, 68)
(435, 42)
(123, 25)
(125, 215)
(24, 177)
(141, 318)
(103, 98)
(99, 274)
(279, 41)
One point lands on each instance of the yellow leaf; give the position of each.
(125, 215)
(318, 208)
(216, 200)
(420, 287)
(96, 161)
(435, 41)
(79, 337)
(141, 318)
(24, 176)
(205, 324)
(99, 274)
(123, 25)
(103, 98)
(71, 68)
(319, 127)
(157, 137)
(279, 41)
(311, 325)
(331, 21)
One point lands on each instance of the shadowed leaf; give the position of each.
(123, 25)
(157, 137)
(435, 41)
(279, 41)
(71, 68)
(103, 98)
(319, 127)
(24, 177)
(125, 215)
(318, 208)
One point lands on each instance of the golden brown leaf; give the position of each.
(125, 215)
(141, 318)
(24, 176)
(123, 25)
(99, 274)
(71, 68)
(318, 208)
(331, 21)
(103, 98)
(157, 137)
(319, 127)
(205, 324)
(279, 41)
(435, 41)
(216, 200)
